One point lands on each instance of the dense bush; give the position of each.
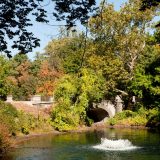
(142, 117)
(4, 139)
(121, 116)
(15, 122)
(8, 115)
(73, 96)
(20, 122)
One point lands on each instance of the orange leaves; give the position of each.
(47, 79)
(12, 80)
(46, 88)
(23, 71)
(47, 73)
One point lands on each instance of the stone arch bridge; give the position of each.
(105, 109)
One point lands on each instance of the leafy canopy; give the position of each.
(15, 17)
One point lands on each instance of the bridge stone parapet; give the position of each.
(118, 104)
(9, 98)
(36, 98)
(35, 101)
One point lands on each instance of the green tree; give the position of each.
(24, 80)
(120, 38)
(74, 94)
(146, 83)
(15, 18)
(66, 54)
(5, 67)
(121, 33)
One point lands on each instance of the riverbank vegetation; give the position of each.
(141, 117)
(118, 54)
(15, 123)
(119, 57)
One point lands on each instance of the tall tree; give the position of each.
(120, 38)
(25, 83)
(146, 82)
(121, 33)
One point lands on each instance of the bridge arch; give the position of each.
(97, 114)
(100, 111)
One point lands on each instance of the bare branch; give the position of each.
(123, 92)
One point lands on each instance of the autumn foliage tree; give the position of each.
(24, 81)
(46, 79)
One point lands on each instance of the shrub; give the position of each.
(120, 117)
(153, 118)
(7, 108)
(142, 117)
(112, 121)
(64, 117)
(73, 95)
(153, 113)
(5, 142)
(8, 114)
(142, 112)
(18, 121)
(138, 121)
(89, 121)
(25, 122)
(125, 114)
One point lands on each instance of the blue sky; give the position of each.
(47, 32)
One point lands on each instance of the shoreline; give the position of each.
(20, 139)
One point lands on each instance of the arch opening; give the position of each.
(97, 114)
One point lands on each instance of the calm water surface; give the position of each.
(80, 146)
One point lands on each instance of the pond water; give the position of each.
(107, 144)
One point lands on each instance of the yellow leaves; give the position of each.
(56, 47)
(155, 90)
(157, 46)
(121, 32)
(96, 62)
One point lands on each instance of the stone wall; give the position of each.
(35, 101)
